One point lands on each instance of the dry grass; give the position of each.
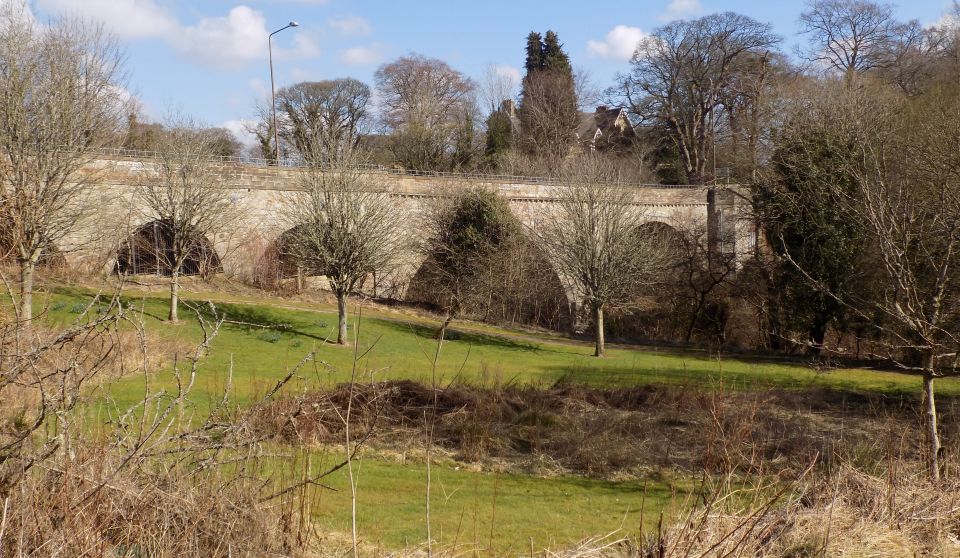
(609, 432)
(844, 513)
(144, 481)
(88, 506)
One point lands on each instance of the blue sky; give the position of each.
(208, 58)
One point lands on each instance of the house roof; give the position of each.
(595, 124)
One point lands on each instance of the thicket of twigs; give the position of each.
(570, 428)
(80, 476)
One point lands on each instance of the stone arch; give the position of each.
(662, 233)
(550, 303)
(148, 251)
(276, 263)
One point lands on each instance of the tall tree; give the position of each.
(423, 102)
(343, 227)
(183, 194)
(499, 133)
(849, 36)
(805, 220)
(535, 55)
(681, 75)
(59, 102)
(549, 113)
(596, 239)
(902, 182)
(323, 116)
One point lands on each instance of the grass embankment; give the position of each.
(402, 347)
(519, 510)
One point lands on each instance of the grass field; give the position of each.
(399, 346)
(487, 510)
(468, 506)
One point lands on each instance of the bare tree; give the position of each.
(916, 55)
(423, 102)
(697, 275)
(588, 94)
(345, 227)
(906, 192)
(496, 86)
(849, 36)
(683, 72)
(60, 100)
(184, 200)
(324, 116)
(914, 212)
(548, 124)
(596, 240)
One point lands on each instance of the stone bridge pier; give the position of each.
(258, 194)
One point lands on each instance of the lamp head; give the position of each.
(294, 24)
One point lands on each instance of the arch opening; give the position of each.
(149, 250)
(280, 261)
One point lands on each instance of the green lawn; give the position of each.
(399, 346)
(468, 506)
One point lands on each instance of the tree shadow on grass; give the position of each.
(669, 375)
(249, 318)
(468, 337)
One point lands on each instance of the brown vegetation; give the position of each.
(572, 428)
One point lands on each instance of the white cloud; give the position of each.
(241, 130)
(947, 21)
(362, 55)
(129, 19)
(226, 42)
(619, 44)
(300, 74)
(19, 10)
(304, 46)
(260, 89)
(350, 26)
(510, 72)
(681, 9)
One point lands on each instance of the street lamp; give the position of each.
(273, 94)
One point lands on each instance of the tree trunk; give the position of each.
(598, 326)
(174, 295)
(442, 332)
(818, 332)
(930, 411)
(26, 290)
(341, 319)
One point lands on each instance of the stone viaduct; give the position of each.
(259, 191)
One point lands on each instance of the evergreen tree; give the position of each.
(801, 210)
(499, 132)
(535, 53)
(554, 59)
(549, 113)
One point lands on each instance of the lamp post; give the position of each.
(273, 93)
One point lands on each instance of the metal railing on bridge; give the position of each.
(138, 155)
